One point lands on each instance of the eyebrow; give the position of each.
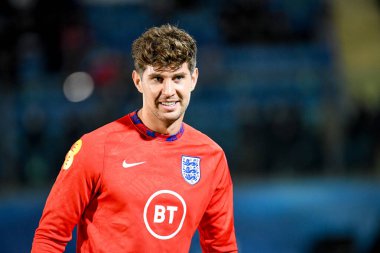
(153, 75)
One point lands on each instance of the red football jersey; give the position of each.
(130, 189)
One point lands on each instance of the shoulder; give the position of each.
(200, 138)
(92, 144)
(211, 152)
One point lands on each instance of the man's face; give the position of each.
(166, 95)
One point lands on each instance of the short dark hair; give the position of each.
(164, 47)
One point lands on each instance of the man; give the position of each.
(145, 182)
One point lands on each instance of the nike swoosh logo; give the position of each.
(128, 165)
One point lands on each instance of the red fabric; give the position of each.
(147, 206)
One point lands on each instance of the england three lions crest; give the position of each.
(191, 170)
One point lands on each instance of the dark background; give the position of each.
(289, 89)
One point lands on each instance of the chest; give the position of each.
(165, 185)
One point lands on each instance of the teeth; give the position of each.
(168, 103)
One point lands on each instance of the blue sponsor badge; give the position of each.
(191, 170)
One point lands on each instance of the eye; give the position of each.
(158, 79)
(178, 78)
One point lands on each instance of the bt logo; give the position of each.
(159, 213)
(164, 214)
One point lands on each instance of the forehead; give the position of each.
(150, 70)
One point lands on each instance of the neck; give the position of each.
(160, 126)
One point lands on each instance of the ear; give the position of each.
(137, 80)
(194, 78)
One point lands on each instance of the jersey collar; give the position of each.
(150, 134)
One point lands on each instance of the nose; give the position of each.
(168, 88)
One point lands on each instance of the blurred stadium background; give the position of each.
(289, 89)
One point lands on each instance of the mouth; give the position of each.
(172, 103)
(168, 105)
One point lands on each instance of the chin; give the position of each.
(171, 116)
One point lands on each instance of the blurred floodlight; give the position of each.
(78, 86)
